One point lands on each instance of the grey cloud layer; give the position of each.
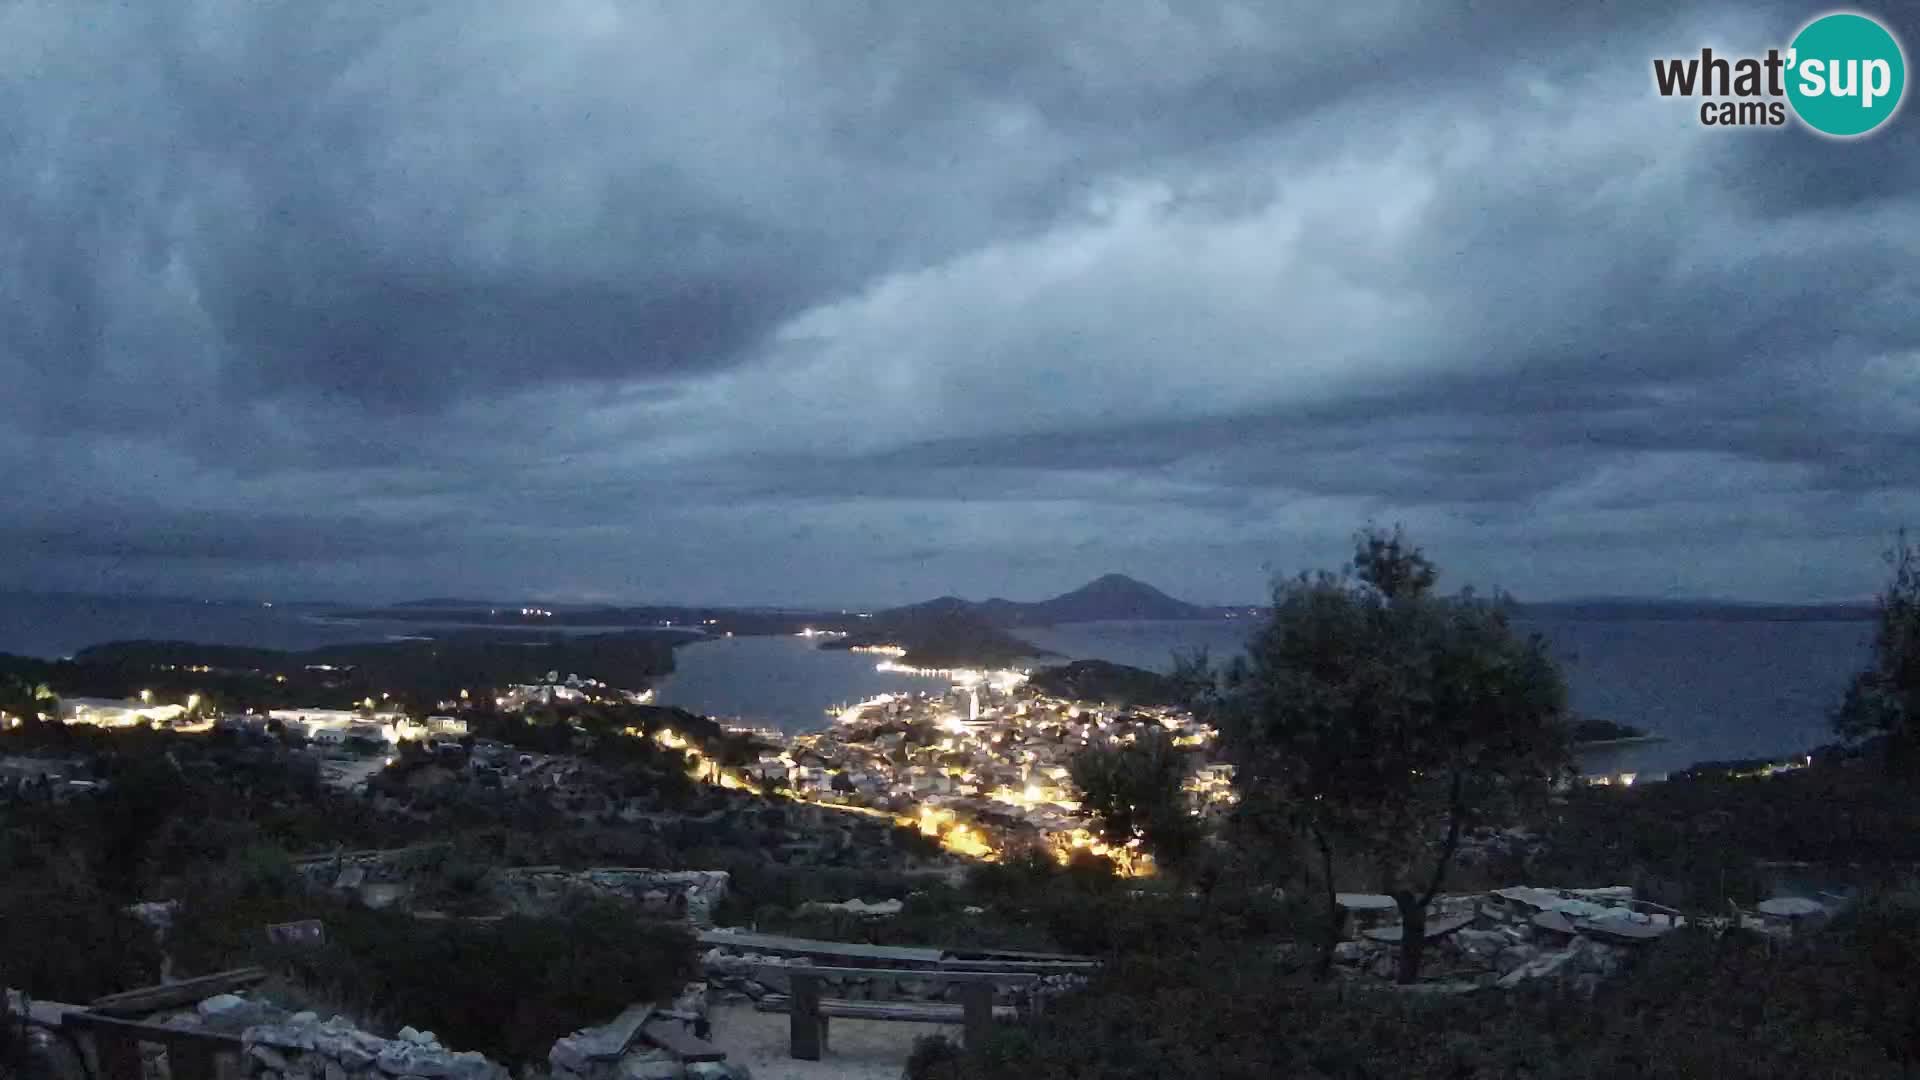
(869, 301)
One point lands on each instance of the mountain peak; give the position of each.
(1107, 597)
(1110, 583)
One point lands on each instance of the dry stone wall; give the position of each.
(690, 894)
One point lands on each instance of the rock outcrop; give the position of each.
(304, 1047)
(621, 1050)
(690, 894)
(1512, 936)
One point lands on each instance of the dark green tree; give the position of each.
(27, 700)
(1381, 722)
(1884, 699)
(1134, 790)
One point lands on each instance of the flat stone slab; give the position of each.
(1354, 901)
(1616, 893)
(1435, 929)
(1790, 907)
(1551, 900)
(1554, 922)
(1622, 930)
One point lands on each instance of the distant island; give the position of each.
(951, 631)
(1589, 733)
(1114, 684)
(939, 638)
(1105, 598)
(1632, 610)
(418, 673)
(941, 633)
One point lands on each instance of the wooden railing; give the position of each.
(191, 1055)
(108, 1033)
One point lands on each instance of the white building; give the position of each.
(112, 712)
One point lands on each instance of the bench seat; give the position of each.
(928, 1012)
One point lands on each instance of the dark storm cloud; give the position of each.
(871, 300)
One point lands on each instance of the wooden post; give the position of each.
(118, 1054)
(976, 1010)
(190, 1061)
(806, 1027)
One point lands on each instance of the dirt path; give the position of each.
(856, 1049)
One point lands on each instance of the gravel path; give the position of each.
(856, 1049)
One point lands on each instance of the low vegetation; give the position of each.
(504, 986)
(1842, 1004)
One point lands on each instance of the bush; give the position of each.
(934, 1057)
(63, 939)
(1844, 1003)
(507, 988)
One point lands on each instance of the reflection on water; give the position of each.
(783, 682)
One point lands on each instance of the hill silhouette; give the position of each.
(1110, 596)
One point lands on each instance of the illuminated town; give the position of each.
(981, 765)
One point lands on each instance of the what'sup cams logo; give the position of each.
(1843, 75)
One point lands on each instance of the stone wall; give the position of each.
(381, 878)
(749, 976)
(303, 1047)
(352, 869)
(690, 894)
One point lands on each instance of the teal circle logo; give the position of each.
(1846, 75)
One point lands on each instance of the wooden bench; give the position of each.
(809, 1011)
(151, 999)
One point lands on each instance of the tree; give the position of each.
(1884, 699)
(142, 794)
(28, 700)
(1390, 563)
(1134, 789)
(1381, 722)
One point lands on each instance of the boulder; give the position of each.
(1479, 945)
(1353, 952)
(640, 1066)
(222, 1003)
(569, 1055)
(1790, 907)
(1385, 965)
(1514, 956)
(406, 1059)
(1545, 966)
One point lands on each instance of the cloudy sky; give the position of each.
(848, 302)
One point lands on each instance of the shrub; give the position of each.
(63, 939)
(934, 1057)
(1843, 1003)
(507, 988)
